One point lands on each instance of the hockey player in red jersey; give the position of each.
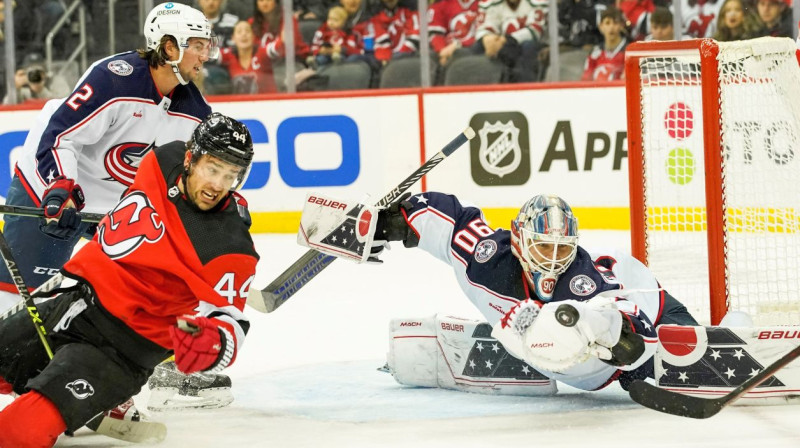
(167, 272)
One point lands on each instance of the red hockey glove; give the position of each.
(200, 344)
(62, 200)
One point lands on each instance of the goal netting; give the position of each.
(714, 133)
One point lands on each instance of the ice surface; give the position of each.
(307, 377)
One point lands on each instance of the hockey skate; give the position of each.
(124, 422)
(171, 389)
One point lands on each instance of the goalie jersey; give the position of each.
(156, 257)
(493, 280)
(99, 134)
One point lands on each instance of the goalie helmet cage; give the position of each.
(713, 133)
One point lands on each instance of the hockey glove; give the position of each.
(200, 344)
(62, 200)
(393, 223)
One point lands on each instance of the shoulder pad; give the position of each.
(241, 207)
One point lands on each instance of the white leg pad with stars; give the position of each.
(453, 353)
(711, 361)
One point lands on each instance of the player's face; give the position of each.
(196, 53)
(549, 255)
(210, 179)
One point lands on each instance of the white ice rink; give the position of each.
(307, 377)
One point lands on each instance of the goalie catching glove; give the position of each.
(547, 340)
(201, 345)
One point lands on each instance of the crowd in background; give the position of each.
(348, 39)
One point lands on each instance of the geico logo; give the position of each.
(336, 137)
(327, 203)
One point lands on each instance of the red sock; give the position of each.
(5, 388)
(30, 421)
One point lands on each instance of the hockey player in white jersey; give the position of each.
(519, 279)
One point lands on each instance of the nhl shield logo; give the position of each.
(494, 156)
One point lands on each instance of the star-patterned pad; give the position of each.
(489, 359)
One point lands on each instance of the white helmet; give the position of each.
(181, 22)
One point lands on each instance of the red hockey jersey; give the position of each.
(156, 257)
(605, 65)
(397, 31)
(452, 21)
(257, 78)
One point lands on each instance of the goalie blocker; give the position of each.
(460, 354)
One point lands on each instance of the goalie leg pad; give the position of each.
(712, 361)
(459, 354)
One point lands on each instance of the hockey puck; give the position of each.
(567, 315)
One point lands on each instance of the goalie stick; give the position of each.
(675, 403)
(313, 262)
(128, 430)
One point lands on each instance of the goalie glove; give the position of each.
(511, 329)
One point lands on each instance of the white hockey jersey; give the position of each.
(99, 133)
(526, 22)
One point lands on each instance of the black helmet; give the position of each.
(226, 139)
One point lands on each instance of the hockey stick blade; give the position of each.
(310, 264)
(675, 403)
(137, 431)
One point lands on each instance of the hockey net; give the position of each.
(713, 131)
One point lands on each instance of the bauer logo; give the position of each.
(501, 153)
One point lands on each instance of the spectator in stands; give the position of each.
(737, 21)
(606, 62)
(699, 17)
(268, 27)
(578, 20)
(662, 26)
(397, 31)
(312, 9)
(31, 81)
(331, 40)
(510, 31)
(362, 36)
(248, 65)
(637, 13)
(777, 17)
(452, 25)
(222, 22)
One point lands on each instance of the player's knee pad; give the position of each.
(460, 354)
(16, 420)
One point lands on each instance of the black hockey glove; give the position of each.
(392, 224)
(510, 52)
(62, 201)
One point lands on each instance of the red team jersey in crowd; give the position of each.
(257, 78)
(274, 42)
(452, 21)
(700, 17)
(396, 32)
(605, 65)
(325, 35)
(155, 257)
(638, 14)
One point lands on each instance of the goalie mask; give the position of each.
(544, 237)
(183, 23)
(226, 139)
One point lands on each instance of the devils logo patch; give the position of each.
(132, 222)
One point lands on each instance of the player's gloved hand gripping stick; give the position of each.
(313, 261)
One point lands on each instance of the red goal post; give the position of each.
(714, 168)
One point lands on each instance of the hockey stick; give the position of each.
(675, 403)
(313, 262)
(20, 210)
(128, 430)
